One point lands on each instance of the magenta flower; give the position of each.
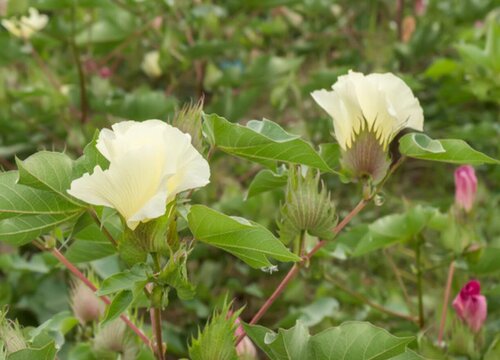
(465, 187)
(471, 306)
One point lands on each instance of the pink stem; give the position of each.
(451, 271)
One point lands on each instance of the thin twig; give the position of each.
(367, 301)
(420, 293)
(84, 101)
(446, 299)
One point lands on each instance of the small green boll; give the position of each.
(10, 335)
(189, 121)
(308, 207)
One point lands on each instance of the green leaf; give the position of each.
(246, 240)
(331, 153)
(17, 199)
(46, 352)
(266, 180)
(494, 349)
(21, 230)
(420, 146)
(119, 304)
(395, 228)
(263, 142)
(125, 280)
(174, 274)
(488, 262)
(91, 158)
(46, 170)
(351, 340)
(56, 327)
(216, 341)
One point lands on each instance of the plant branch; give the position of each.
(446, 299)
(295, 268)
(159, 350)
(367, 301)
(84, 101)
(74, 270)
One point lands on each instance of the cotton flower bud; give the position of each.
(114, 338)
(471, 306)
(10, 335)
(245, 349)
(86, 306)
(465, 187)
(189, 121)
(307, 207)
(368, 113)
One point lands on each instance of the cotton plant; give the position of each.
(135, 182)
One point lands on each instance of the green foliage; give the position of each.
(247, 240)
(216, 341)
(266, 180)
(264, 142)
(351, 340)
(420, 146)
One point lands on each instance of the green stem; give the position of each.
(418, 257)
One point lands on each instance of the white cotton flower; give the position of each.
(379, 103)
(151, 64)
(150, 163)
(368, 112)
(26, 26)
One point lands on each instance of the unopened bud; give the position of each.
(113, 338)
(10, 334)
(86, 306)
(307, 207)
(189, 121)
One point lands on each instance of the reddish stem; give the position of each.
(446, 299)
(295, 268)
(74, 270)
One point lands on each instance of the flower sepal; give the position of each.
(154, 236)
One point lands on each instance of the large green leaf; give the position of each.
(420, 146)
(46, 170)
(266, 180)
(17, 199)
(349, 341)
(21, 230)
(247, 240)
(395, 228)
(264, 142)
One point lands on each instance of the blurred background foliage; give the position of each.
(253, 59)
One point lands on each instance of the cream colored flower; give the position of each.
(378, 103)
(26, 26)
(151, 64)
(368, 112)
(150, 163)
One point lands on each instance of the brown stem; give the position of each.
(446, 299)
(74, 270)
(295, 268)
(156, 324)
(84, 101)
(369, 302)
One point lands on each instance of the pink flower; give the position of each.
(471, 306)
(245, 349)
(105, 72)
(465, 187)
